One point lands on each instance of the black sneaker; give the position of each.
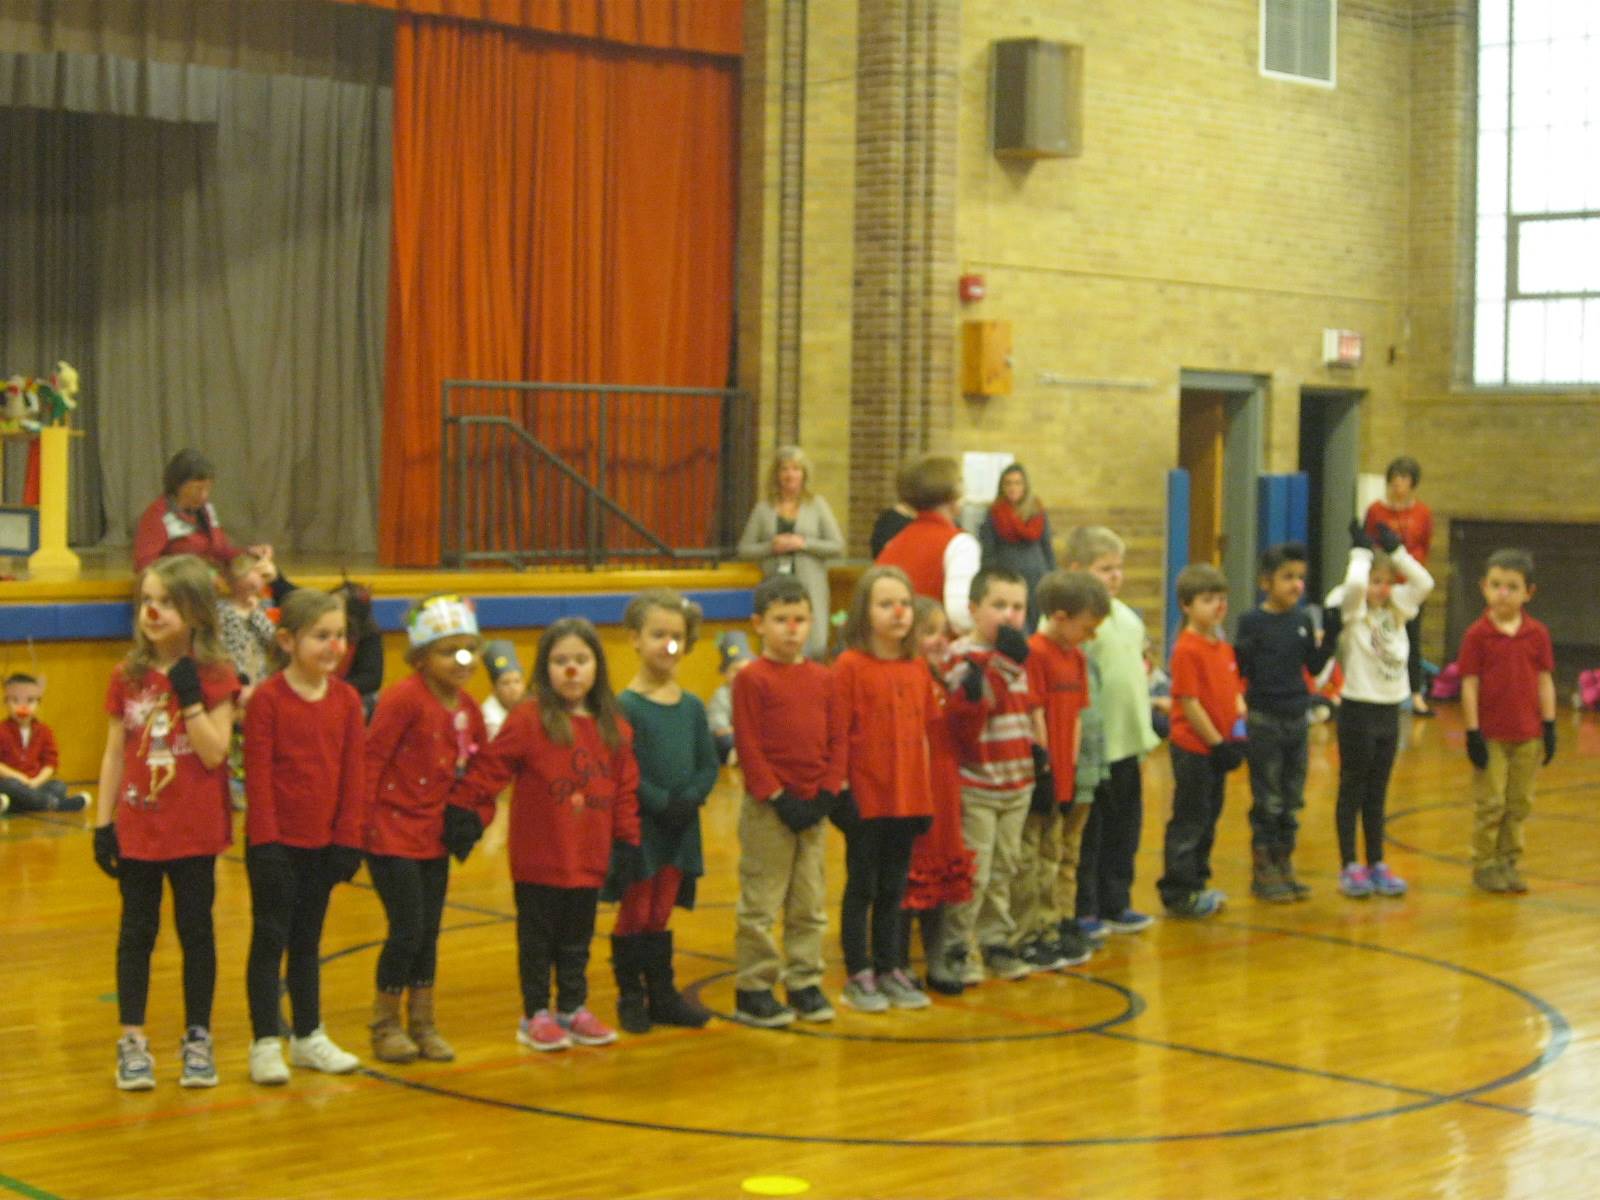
(1042, 954)
(1002, 962)
(761, 1008)
(809, 1003)
(74, 803)
(1075, 948)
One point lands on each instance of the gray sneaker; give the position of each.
(199, 1063)
(901, 992)
(861, 993)
(1003, 962)
(136, 1069)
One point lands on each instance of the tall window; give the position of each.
(1537, 317)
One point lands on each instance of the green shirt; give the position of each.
(676, 757)
(1124, 701)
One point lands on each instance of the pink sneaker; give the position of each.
(542, 1032)
(586, 1029)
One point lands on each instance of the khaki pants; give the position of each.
(991, 825)
(780, 871)
(1066, 880)
(1033, 891)
(1502, 794)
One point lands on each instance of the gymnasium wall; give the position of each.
(1217, 220)
(1487, 453)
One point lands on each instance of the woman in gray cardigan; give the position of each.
(793, 532)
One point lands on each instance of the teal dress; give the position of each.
(676, 758)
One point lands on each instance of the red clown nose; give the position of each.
(152, 613)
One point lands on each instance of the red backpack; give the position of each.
(1446, 684)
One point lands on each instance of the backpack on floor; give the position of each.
(1446, 684)
(1589, 688)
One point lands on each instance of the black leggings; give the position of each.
(929, 920)
(288, 903)
(1369, 735)
(194, 887)
(554, 928)
(877, 857)
(412, 891)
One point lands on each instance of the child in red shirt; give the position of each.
(574, 808)
(883, 702)
(941, 864)
(1207, 703)
(1045, 897)
(28, 755)
(161, 814)
(424, 731)
(303, 749)
(1508, 702)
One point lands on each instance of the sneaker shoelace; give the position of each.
(197, 1054)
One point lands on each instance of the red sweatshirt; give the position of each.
(782, 729)
(39, 753)
(415, 745)
(568, 803)
(171, 805)
(164, 529)
(304, 767)
(880, 715)
(994, 735)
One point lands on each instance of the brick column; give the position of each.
(903, 368)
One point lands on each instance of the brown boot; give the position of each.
(389, 1041)
(423, 1031)
(1267, 881)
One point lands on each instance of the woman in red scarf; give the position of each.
(1016, 534)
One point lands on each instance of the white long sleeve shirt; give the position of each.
(1373, 647)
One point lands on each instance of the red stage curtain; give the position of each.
(563, 210)
(700, 26)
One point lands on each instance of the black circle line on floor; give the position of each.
(1559, 1038)
(1457, 860)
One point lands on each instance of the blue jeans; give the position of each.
(1277, 755)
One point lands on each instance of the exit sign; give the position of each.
(1341, 347)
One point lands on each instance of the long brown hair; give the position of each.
(301, 609)
(858, 624)
(192, 585)
(601, 701)
(1030, 505)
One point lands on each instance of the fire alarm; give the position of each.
(971, 289)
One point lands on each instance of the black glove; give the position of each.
(972, 681)
(341, 863)
(844, 813)
(1044, 783)
(1477, 750)
(627, 864)
(1066, 807)
(1358, 536)
(1388, 538)
(920, 825)
(184, 677)
(680, 811)
(1332, 623)
(799, 815)
(107, 854)
(462, 829)
(1013, 643)
(1549, 741)
(1225, 756)
(827, 801)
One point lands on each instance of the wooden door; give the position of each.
(1202, 425)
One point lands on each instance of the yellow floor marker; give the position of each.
(775, 1185)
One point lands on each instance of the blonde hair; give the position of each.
(301, 609)
(667, 600)
(783, 455)
(240, 565)
(857, 633)
(1087, 543)
(191, 586)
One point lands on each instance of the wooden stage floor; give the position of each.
(1446, 1044)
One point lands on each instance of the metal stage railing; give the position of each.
(572, 473)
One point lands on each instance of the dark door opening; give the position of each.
(1330, 440)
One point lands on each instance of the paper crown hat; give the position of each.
(500, 657)
(441, 617)
(735, 647)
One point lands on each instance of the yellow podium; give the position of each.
(52, 560)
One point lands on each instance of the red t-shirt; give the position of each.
(880, 713)
(1507, 666)
(304, 768)
(1059, 677)
(415, 747)
(1205, 671)
(170, 804)
(782, 729)
(39, 753)
(568, 803)
(1414, 525)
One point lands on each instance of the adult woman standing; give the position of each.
(1016, 534)
(1413, 521)
(182, 521)
(793, 532)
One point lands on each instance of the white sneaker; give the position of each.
(317, 1051)
(266, 1062)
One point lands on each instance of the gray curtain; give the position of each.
(209, 246)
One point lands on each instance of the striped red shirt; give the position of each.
(994, 735)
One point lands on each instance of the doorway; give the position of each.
(1330, 441)
(1220, 419)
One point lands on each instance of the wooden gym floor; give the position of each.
(1441, 1045)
